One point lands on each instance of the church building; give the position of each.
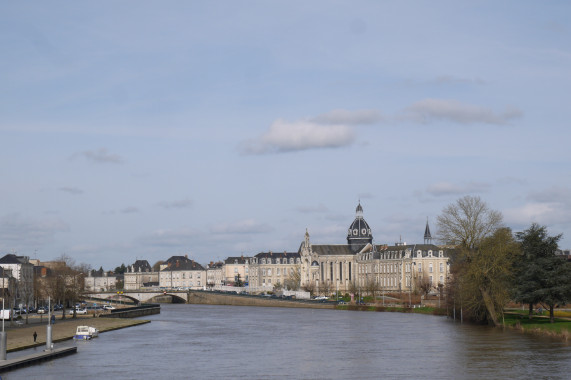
(327, 268)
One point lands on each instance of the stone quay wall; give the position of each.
(214, 298)
(132, 312)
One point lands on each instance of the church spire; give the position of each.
(427, 235)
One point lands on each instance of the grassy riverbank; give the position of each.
(540, 325)
(20, 338)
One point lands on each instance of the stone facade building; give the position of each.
(234, 267)
(360, 263)
(270, 268)
(103, 283)
(182, 272)
(140, 275)
(214, 274)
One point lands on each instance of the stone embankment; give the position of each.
(133, 312)
(215, 298)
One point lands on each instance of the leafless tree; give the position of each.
(466, 222)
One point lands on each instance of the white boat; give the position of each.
(85, 333)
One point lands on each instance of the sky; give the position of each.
(146, 129)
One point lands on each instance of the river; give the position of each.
(215, 342)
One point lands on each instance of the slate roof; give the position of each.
(332, 249)
(275, 255)
(180, 263)
(10, 258)
(237, 260)
(414, 248)
(139, 266)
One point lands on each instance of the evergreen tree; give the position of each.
(238, 281)
(540, 275)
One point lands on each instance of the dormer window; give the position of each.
(355, 232)
(429, 253)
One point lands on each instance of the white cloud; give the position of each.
(550, 207)
(101, 156)
(71, 190)
(130, 210)
(447, 188)
(284, 136)
(556, 194)
(184, 203)
(429, 110)
(346, 117)
(246, 226)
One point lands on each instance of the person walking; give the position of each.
(35, 336)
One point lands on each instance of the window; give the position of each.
(278, 271)
(420, 267)
(235, 270)
(430, 279)
(263, 272)
(430, 267)
(441, 267)
(269, 272)
(441, 279)
(429, 253)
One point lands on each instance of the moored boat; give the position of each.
(85, 333)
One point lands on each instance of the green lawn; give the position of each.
(539, 324)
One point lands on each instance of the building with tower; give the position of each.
(357, 264)
(362, 264)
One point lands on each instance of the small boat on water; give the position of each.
(85, 333)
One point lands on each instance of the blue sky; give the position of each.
(141, 129)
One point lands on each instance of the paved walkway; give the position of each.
(20, 338)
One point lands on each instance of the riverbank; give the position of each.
(21, 338)
(540, 325)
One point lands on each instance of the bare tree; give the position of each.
(423, 285)
(293, 281)
(310, 287)
(466, 222)
(371, 287)
(325, 288)
(485, 250)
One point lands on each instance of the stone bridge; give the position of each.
(178, 296)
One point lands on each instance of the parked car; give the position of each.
(78, 311)
(108, 307)
(42, 310)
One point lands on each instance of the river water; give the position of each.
(215, 342)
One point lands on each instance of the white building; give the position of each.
(181, 272)
(23, 272)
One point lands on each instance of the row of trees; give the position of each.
(492, 266)
(63, 284)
